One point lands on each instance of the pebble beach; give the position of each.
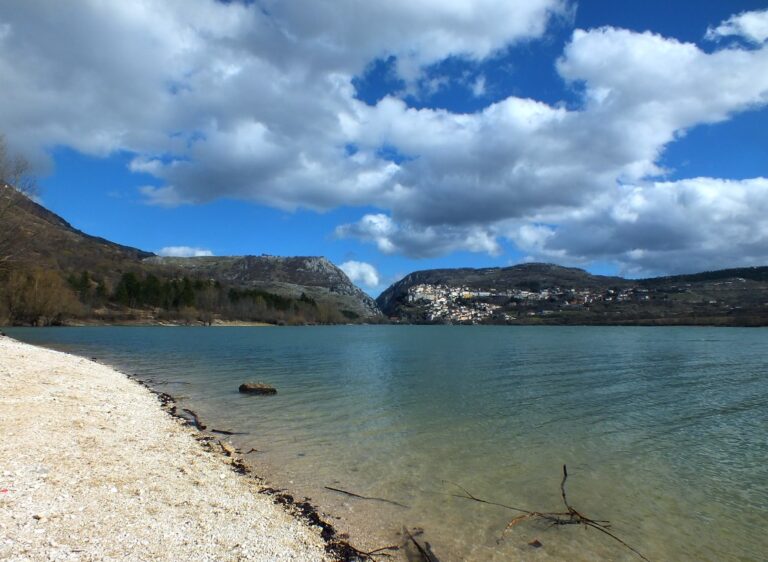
(92, 468)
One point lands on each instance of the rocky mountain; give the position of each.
(537, 293)
(315, 277)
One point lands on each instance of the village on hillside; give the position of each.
(461, 304)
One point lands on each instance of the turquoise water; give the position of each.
(664, 430)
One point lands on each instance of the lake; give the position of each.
(664, 430)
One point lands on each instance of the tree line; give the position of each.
(34, 296)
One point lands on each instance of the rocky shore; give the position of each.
(91, 468)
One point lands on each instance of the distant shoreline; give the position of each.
(647, 323)
(159, 323)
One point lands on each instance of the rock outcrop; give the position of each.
(313, 276)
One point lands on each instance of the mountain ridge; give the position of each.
(314, 276)
(39, 241)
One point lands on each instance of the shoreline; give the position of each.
(76, 440)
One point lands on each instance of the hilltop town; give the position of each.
(548, 294)
(442, 303)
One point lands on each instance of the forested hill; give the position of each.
(50, 272)
(538, 293)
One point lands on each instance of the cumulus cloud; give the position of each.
(250, 101)
(418, 241)
(418, 34)
(257, 102)
(362, 273)
(152, 76)
(665, 227)
(752, 26)
(522, 161)
(184, 252)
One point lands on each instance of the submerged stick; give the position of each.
(562, 488)
(569, 517)
(468, 496)
(377, 551)
(227, 432)
(425, 551)
(352, 494)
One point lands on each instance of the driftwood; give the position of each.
(227, 432)
(228, 449)
(569, 517)
(201, 426)
(352, 494)
(195, 419)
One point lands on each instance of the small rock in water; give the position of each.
(257, 388)
(535, 543)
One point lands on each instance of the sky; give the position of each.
(624, 138)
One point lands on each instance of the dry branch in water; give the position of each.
(352, 494)
(227, 432)
(569, 517)
(195, 420)
(425, 551)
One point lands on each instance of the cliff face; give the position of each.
(313, 276)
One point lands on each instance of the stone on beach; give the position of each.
(257, 388)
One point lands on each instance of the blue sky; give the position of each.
(622, 137)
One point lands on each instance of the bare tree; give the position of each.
(16, 184)
(39, 297)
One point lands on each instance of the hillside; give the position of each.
(549, 294)
(93, 279)
(315, 277)
(35, 235)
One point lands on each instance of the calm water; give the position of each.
(664, 430)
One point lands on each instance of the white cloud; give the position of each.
(419, 241)
(683, 226)
(478, 87)
(752, 26)
(149, 76)
(162, 196)
(362, 273)
(524, 163)
(350, 33)
(184, 252)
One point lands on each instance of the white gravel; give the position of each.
(91, 468)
